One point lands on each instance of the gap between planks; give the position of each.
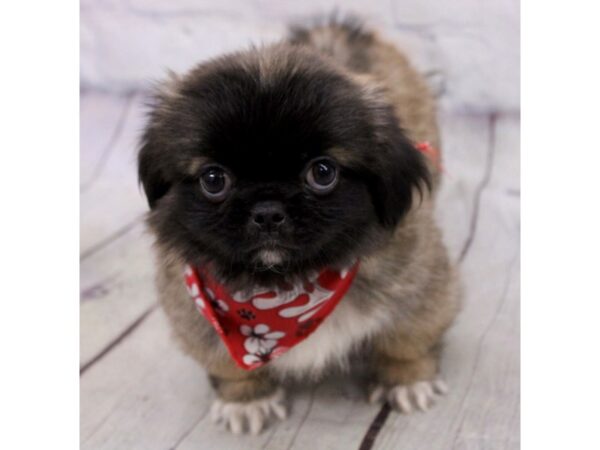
(117, 340)
(111, 238)
(485, 181)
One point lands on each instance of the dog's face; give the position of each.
(273, 163)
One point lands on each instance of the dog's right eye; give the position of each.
(322, 176)
(215, 183)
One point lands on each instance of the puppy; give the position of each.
(271, 170)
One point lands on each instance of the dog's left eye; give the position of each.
(322, 176)
(215, 183)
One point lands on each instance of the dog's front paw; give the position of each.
(406, 398)
(250, 416)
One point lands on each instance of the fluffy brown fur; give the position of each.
(405, 294)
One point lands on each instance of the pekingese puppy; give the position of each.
(291, 190)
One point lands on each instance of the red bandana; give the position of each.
(259, 326)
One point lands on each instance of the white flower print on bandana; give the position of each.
(259, 342)
(194, 292)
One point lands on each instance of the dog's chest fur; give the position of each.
(331, 344)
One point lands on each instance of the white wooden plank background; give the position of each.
(139, 392)
(110, 199)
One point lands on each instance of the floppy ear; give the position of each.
(151, 173)
(402, 172)
(152, 162)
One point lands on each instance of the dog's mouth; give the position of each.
(270, 257)
(271, 254)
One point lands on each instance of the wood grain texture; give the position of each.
(466, 158)
(144, 394)
(117, 287)
(111, 197)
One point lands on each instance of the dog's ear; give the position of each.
(153, 163)
(401, 173)
(151, 172)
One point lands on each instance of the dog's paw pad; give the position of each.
(421, 395)
(250, 416)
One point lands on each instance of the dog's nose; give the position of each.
(268, 216)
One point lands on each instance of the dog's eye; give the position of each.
(215, 183)
(322, 176)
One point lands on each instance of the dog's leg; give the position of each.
(246, 400)
(405, 374)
